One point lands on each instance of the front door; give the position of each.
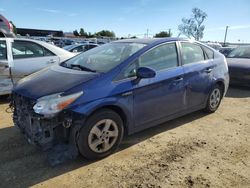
(161, 96)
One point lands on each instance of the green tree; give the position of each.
(14, 27)
(76, 33)
(193, 27)
(164, 34)
(83, 33)
(133, 37)
(106, 33)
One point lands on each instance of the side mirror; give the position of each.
(145, 72)
(75, 51)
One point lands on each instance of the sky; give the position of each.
(131, 17)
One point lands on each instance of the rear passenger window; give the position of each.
(26, 49)
(191, 53)
(3, 50)
(159, 58)
(208, 52)
(47, 52)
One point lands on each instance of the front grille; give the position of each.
(35, 127)
(23, 111)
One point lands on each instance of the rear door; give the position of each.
(29, 57)
(198, 70)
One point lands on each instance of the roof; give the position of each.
(150, 40)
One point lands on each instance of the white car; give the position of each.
(26, 56)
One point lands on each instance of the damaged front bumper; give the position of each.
(55, 135)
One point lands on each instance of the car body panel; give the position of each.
(197, 82)
(239, 70)
(29, 87)
(149, 95)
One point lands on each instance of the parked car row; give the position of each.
(88, 103)
(78, 48)
(226, 50)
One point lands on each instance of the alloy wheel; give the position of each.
(103, 135)
(215, 98)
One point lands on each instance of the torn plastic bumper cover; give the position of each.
(55, 135)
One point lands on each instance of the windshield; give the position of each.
(240, 52)
(103, 58)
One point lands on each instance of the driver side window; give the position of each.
(162, 57)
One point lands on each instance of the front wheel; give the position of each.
(101, 134)
(214, 99)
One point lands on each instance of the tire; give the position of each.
(214, 99)
(101, 134)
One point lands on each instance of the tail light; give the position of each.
(9, 25)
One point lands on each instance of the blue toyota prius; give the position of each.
(88, 103)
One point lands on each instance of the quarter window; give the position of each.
(209, 53)
(159, 58)
(3, 50)
(191, 53)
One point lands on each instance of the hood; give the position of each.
(51, 80)
(238, 62)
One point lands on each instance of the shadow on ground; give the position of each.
(23, 165)
(4, 99)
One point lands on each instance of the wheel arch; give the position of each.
(117, 109)
(221, 84)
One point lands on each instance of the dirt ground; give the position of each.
(197, 150)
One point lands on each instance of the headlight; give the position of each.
(52, 104)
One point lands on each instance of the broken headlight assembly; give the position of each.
(52, 104)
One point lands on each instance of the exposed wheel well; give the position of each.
(222, 86)
(119, 111)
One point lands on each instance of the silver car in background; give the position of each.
(26, 56)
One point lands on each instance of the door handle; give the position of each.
(127, 93)
(209, 70)
(51, 61)
(178, 79)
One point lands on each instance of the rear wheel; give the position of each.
(101, 134)
(214, 99)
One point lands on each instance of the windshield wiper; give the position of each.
(82, 68)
